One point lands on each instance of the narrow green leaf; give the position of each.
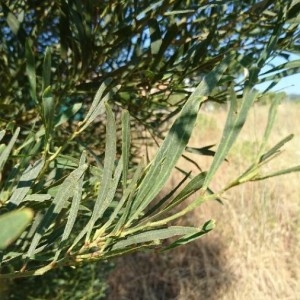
(109, 161)
(278, 173)
(179, 12)
(193, 186)
(12, 224)
(154, 236)
(66, 162)
(5, 153)
(97, 106)
(207, 227)
(67, 114)
(164, 200)
(175, 142)
(201, 151)
(266, 53)
(32, 229)
(127, 200)
(10, 256)
(37, 197)
(110, 195)
(125, 146)
(75, 202)
(235, 120)
(100, 208)
(33, 137)
(109, 182)
(96, 101)
(270, 123)
(275, 78)
(25, 182)
(46, 79)
(2, 134)
(275, 148)
(295, 64)
(13, 23)
(48, 110)
(66, 191)
(30, 70)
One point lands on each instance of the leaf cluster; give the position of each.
(152, 50)
(71, 203)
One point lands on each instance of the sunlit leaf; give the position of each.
(66, 191)
(236, 118)
(154, 236)
(207, 227)
(175, 142)
(276, 148)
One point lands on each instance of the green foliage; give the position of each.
(86, 282)
(71, 159)
(149, 49)
(12, 225)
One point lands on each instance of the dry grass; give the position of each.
(254, 251)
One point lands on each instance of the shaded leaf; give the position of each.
(30, 71)
(46, 79)
(201, 151)
(48, 110)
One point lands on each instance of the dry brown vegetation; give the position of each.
(253, 253)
